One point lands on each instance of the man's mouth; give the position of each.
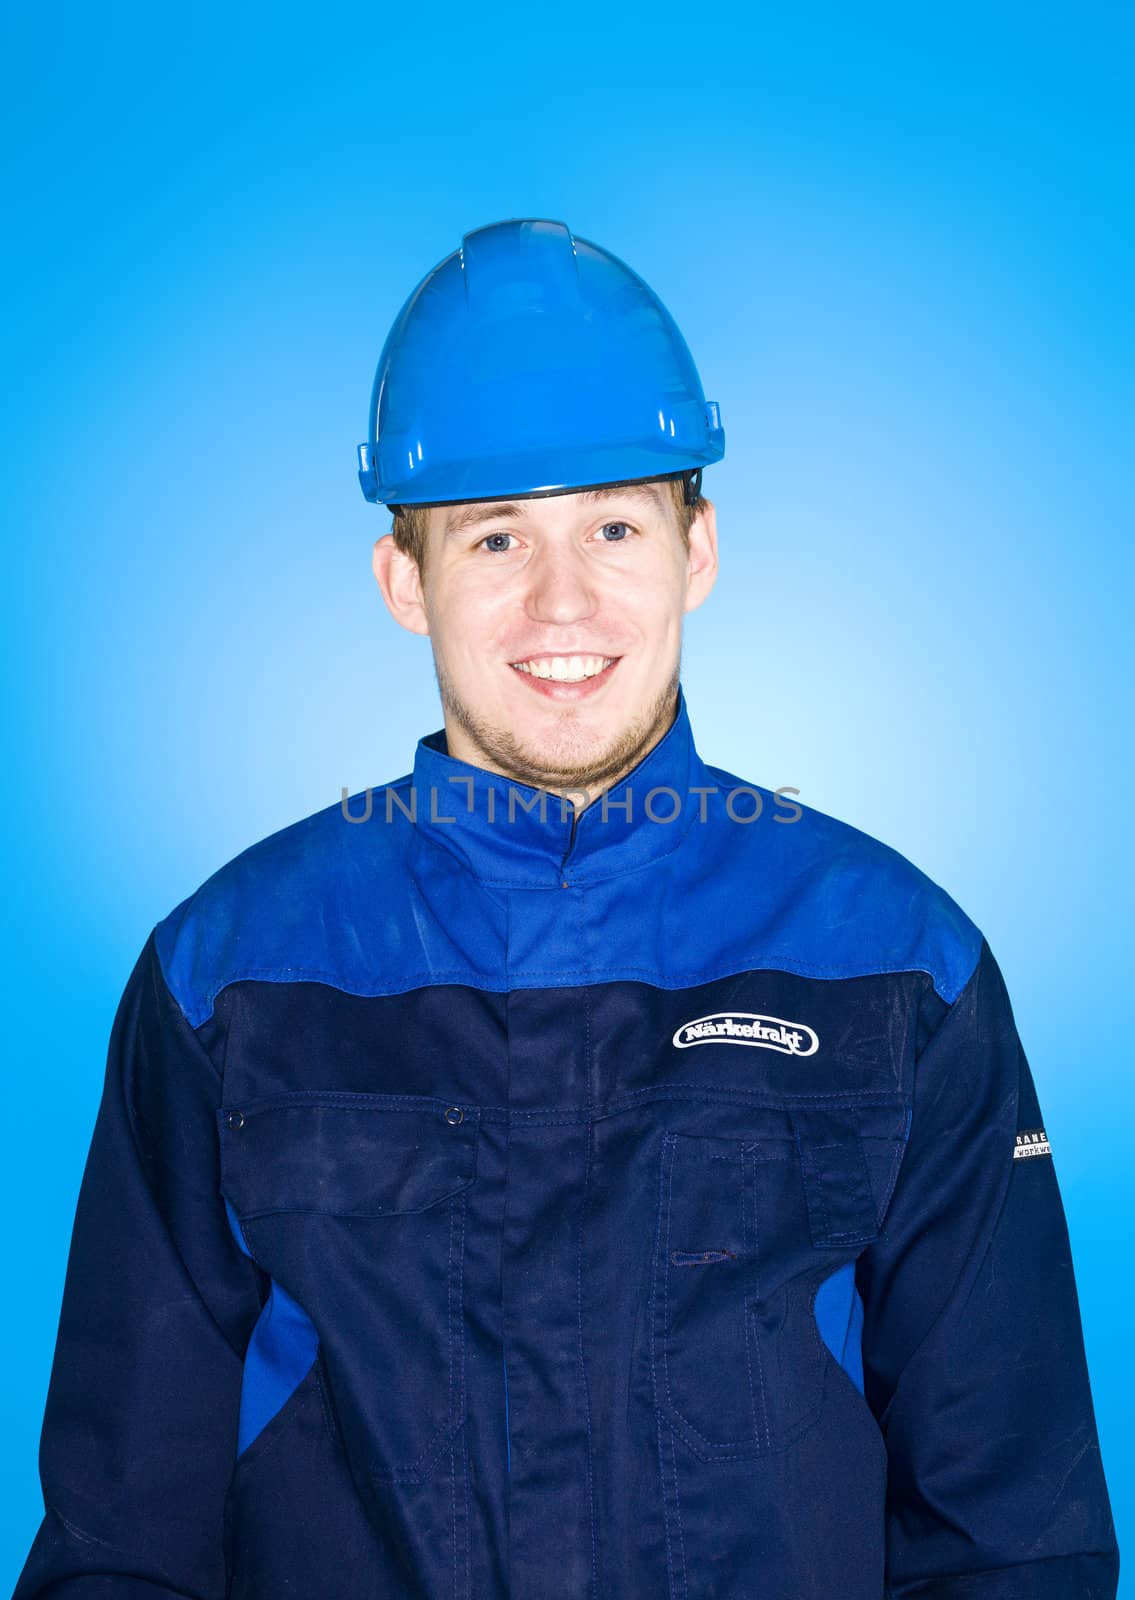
(564, 669)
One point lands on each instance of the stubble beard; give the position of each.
(502, 751)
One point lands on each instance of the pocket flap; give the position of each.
(345, 1154)
(837, 1183)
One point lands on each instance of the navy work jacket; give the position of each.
(486, 1203)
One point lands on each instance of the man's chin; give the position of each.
(577, 746)
(578, 763)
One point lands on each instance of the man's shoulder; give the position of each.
(284, 908)
(848, 902)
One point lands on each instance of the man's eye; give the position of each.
(607, 526)
(495, 548)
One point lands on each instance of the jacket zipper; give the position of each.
(570, 847)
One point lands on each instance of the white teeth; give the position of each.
(565, 669)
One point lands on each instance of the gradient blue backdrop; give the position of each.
(900, 247)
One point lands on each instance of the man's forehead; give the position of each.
(468, 514)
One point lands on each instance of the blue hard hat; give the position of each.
(531, 362)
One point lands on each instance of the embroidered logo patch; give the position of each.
(746, 1027)
(1032, 1142)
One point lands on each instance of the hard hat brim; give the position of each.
(512, 478)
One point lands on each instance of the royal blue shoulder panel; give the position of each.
(360, 895)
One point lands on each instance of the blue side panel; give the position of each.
(852, 1361)
(280, 1353)
(838, 1310)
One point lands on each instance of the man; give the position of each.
(569, 1172)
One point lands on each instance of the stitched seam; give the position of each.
(322, 1381)
(751, 1225)
(579, 1302)
(678, 1512)
(847, 1324)
(452, 1398)
(766, 961)
(374, 1102)
(653, 1315)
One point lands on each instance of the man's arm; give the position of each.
(140, 1429)
(973, 1350)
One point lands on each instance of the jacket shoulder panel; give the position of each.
(847, 904)
(267, 912)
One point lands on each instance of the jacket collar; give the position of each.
(513, 833)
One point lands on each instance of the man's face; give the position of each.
(556, 626)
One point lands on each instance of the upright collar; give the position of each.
(515, 834)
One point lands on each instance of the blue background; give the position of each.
(900, 248)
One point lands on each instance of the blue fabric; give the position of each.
(281, 1349)
(812, 896)
(505, 1211)
(838, 1310)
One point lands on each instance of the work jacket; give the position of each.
(492, 1203)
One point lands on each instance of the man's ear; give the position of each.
(701, 563)
(397, 575)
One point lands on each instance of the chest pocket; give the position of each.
(355, 1204)
(747, 1231)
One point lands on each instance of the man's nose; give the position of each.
(560, 586)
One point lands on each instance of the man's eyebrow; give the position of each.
(492, 510)
(472, 515)
(642, 491)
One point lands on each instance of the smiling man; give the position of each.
(576, 1173)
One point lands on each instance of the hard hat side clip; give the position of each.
(368, 474)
